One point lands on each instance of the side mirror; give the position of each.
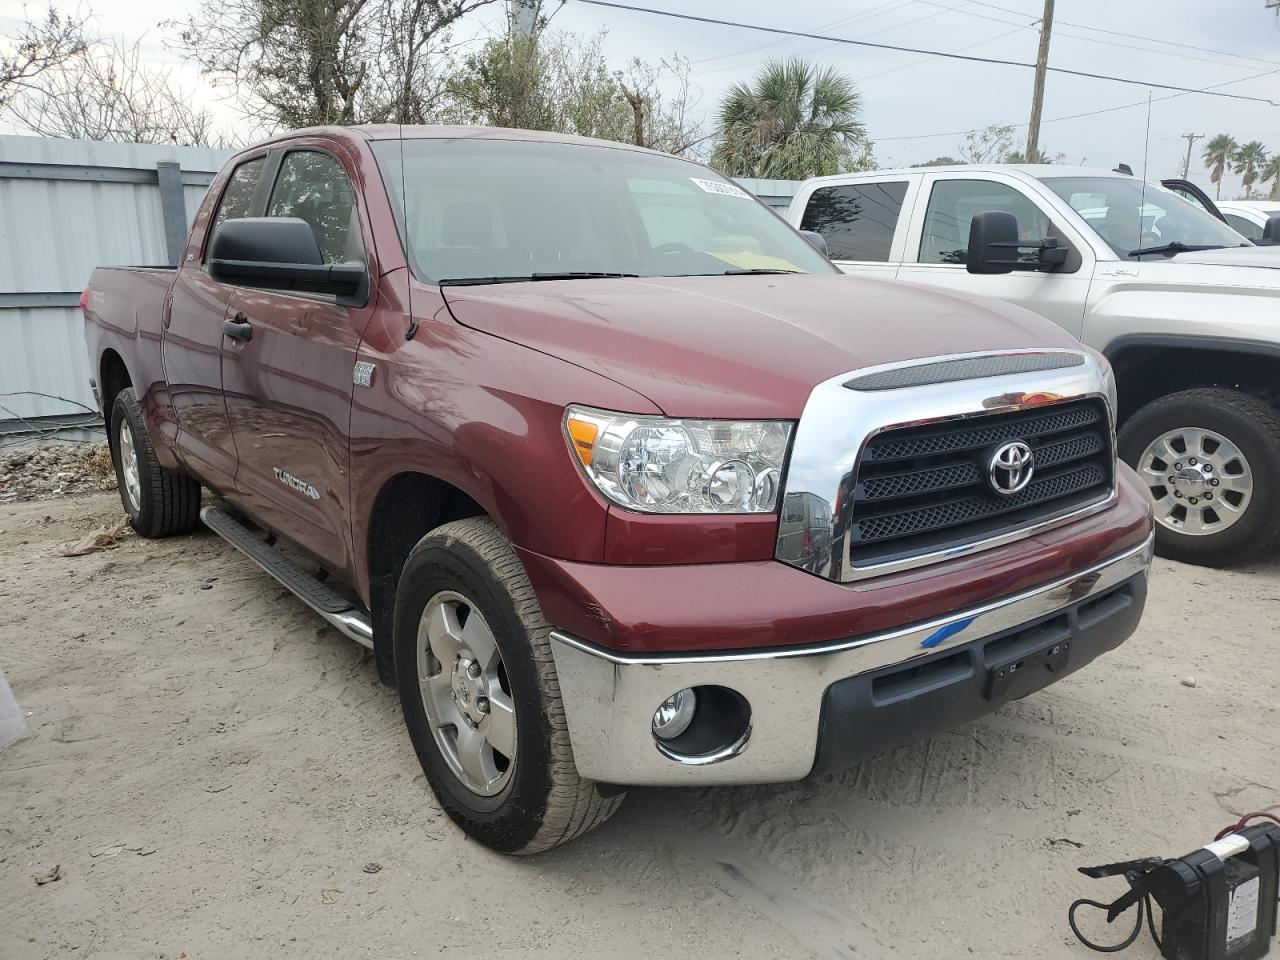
(818, 240)
(1053, 253)
(1271, 232)
(993, 243)
(281, 253)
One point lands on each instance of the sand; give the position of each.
(212, 770)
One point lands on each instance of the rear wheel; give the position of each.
(480, 696)
(1209, 460)
(159, 502)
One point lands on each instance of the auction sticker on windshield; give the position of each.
(720, 188)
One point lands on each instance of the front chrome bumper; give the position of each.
(610, 697)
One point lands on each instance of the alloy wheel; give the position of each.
(129, 466)
(466, 693)
(1199, 481)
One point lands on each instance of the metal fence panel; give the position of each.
(67, 206)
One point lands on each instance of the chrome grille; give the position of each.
(921, 489)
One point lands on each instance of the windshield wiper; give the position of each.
(1177, 246)
(529, 278)
(749, 270)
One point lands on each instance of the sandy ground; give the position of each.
(213, 769)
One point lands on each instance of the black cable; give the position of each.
(1145, 909)
(932, 53)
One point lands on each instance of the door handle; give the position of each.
(238, 328)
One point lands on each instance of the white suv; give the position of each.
(1185, 308)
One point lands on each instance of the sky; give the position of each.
(917, 107)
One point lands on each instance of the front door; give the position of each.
(938, 243)
(288, 387)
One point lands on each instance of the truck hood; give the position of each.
(741, 346)
(1265, 257)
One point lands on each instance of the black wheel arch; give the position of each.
(407, 507)
(1149, 365)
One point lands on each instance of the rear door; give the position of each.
(862, 221)
(288, 388)
(938, 241)
(193, 335)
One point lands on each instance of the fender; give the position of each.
(1187, 341)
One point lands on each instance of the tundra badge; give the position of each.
(289, 480)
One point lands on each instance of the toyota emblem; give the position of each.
(1011, 468)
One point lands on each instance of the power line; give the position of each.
(1109, 43)
(1207, 91)
(1127, 36)
(1088, 113)
(868, 14)
(897, 26)
(916, 63)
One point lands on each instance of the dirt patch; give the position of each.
(55, 470)
(209, 770)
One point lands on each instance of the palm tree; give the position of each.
(1248, 161)
(792, 121)
(1271, 172)
(1217, 154)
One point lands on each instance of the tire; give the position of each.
(159, 502)
(1247, 460)
(533, 801)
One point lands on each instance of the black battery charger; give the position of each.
(1217, 903)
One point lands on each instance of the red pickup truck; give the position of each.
(621, 480)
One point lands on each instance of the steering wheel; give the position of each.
(673, 246)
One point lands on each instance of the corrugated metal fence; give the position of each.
(67, 206)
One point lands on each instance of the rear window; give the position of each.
(857, 220)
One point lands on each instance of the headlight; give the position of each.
(657, 465)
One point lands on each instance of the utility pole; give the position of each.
(1191, 138)
(1037, 97)
(523, 16)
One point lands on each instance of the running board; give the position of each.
(340, 612)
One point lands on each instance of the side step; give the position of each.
(335, 608)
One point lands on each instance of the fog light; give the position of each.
(675, 714)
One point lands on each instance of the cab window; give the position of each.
(237, 197)
(952, 205)
(314, 187)
(857, 220)
(1246, 228)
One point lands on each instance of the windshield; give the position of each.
(1168, 222)
(492, 210)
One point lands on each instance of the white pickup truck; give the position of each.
(1185, 308)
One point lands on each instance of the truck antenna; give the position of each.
(1146, 150)
(404, 225)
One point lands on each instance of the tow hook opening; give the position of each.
(700, 725)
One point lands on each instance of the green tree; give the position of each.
(1248, 161)
(943, 161)
(988, 145)
(793, 121)
(1271, 172)
(295, 63)
(1219, 152)
(556, 81)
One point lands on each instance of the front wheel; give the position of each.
(480, 696)
(1209, 459)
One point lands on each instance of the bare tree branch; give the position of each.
(105, 92)
(40, 46)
